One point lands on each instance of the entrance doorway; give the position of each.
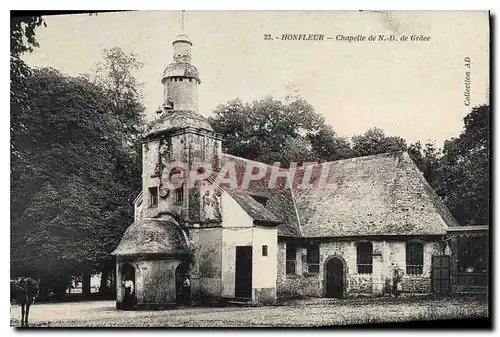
(182, 294)
(334, 271)
(440, 274)
(128, 281)
(243, 272)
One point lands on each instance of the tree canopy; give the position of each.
(270, 131)
(76, 174)
(287, 131)
(22, 40)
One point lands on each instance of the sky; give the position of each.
(412, 89)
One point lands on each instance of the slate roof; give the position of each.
(177, 119)
(181, 69)
(254, 209)
(377, 195)
(148, 236)
(382, 194)
(279, 205)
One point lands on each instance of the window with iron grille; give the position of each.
(364, 259)
(414, 258)
(291, 258)
(153, 196)
(313, 259)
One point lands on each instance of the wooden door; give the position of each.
(335, 278)
(243, 272)
(440, 274)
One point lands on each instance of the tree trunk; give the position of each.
(86, 284)
(103, 288)
(113, 281)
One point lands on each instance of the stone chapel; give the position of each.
(379, 219)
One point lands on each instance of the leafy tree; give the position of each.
(428, 159)
(74, 183)
(115, 73)
(374, 141)
(466, 168)
(328, 146)
(22, 40)
(270, 130)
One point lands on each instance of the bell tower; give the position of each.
(177, 142)
(181, 78)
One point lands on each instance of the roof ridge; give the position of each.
(371, 156)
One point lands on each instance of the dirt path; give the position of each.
(298, 313)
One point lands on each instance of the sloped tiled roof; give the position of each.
(382, 194)
(279, 200)
(253, 208)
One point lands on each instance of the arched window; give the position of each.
(364, 259)
(414, 258)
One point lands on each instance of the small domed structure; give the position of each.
(182, 38)
(148, 236)
(147, 257)
(180, 70)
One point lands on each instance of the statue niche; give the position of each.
(211, 204)
(163, 160)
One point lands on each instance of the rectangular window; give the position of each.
(313, 259)
(364, 259)
(179, 195)
(291, 258)
(264, 250)
(414, 258)
(153, 196)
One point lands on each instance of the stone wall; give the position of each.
(299, 286)
(388, 256)
(360, 284)
(210, 262)
(184, 93)
(154, 282)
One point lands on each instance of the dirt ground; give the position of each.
(307, 312)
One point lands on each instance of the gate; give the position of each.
(440, 273)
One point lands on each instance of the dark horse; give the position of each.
(24, 291)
